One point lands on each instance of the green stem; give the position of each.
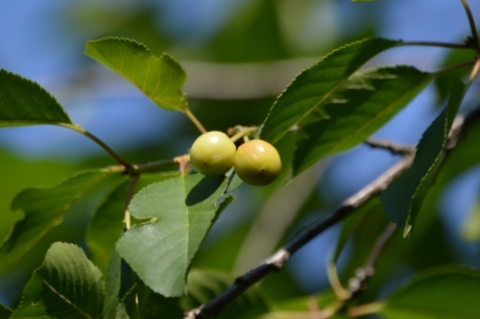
(471, 22)
(81, 130)
(366, 309)
(335, 283)
(474, 72)
(195, 121)
(243, 132)
(153, 166)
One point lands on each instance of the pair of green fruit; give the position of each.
(256, 162)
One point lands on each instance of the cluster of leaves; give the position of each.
(143, 270)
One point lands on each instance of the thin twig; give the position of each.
(471, 22)
(362, 275)
(277, 260)
(102, 144)
(395, 149)
(436, 44)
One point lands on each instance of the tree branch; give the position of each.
(395, 149)
(357, 283)
(277, 260)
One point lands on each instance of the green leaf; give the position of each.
(5, 312)
(364, 104)
(403, 198)
(203, 286)
(107, 224)
(67, 285)
(23, 102)
(443, 82)
(112, 305)
(444, 293)
(181, 211)
(302, 307)
(315, 85)
(351, 224)
(159, 78)
(44, 208)
(471, 227)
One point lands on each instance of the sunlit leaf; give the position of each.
(315, 85)
(302, 307)
(107, 224)
(23, 102)
(177, 214)
(444, 293)
(44, 208)
(159, 78)
(67, 285)
(403, 198)
(471, 227)
(362, 106)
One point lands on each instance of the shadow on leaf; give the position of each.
(204, 189)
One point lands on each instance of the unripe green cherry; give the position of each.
(212, 153)
(257, 162)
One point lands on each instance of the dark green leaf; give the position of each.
(23, 102)
(5, 312)
(350, 225)
(445, 293)
(315, 85)
(203, 286)
(253, 34)
(181, 211)
(44, 208)
(107, 226)
(112, 305)
(403, 198)
(363, 105)
(67, 285)
(159, 78)
(444, 81)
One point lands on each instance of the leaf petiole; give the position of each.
(108, 149)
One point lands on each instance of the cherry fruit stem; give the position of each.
(243, 132)
(195, 121)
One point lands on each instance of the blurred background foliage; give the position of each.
(238, 55)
